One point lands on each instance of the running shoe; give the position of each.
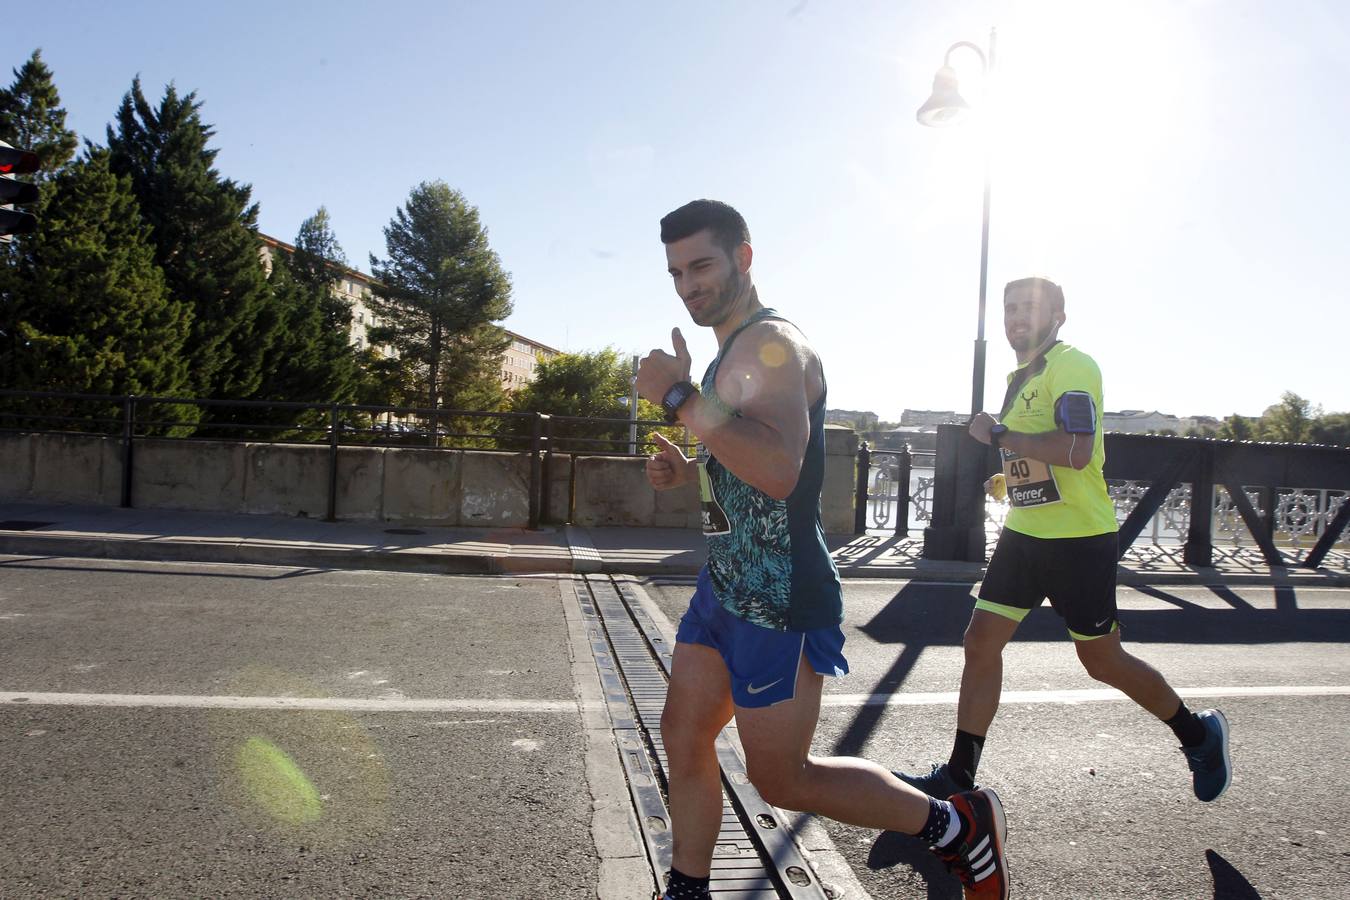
(976, 855)
(1211, 767)
(937, 783)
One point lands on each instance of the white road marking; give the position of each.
(1090, 695)
(343, 704)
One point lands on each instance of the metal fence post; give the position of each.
(546, 479)
(906, 461)
(860, 493)
(1199, 549)
(333, 437)
(536, 476)
(128, 434)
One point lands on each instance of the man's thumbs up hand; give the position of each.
(667, 467)
(658, 370)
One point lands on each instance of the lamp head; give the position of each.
(946, 106)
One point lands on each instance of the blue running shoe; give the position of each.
(937, 783)
(1211, 767)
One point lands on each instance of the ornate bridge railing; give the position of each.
(1284, 499)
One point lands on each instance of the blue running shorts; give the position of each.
(762, 661)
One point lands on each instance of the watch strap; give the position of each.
(676, 396)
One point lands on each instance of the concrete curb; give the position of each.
(581, 556)
(240, 553)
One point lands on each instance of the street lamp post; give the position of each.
(945, 107)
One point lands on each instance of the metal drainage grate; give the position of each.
(404, 531)
(22, 525)
(755, 857)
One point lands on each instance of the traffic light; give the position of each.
(16, 162)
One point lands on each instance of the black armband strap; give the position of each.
(1076, 412)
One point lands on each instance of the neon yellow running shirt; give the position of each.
(1062, 502)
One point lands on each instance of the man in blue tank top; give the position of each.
(762, 628)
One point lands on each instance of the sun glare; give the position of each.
(1087, 104)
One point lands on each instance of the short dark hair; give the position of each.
(1042, 286)
(728, 227)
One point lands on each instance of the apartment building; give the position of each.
(521, 359)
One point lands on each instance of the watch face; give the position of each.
(674, 398)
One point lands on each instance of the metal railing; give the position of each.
(133, 418)
(1176, 490)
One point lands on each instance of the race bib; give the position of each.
(715, 519)
(1030, 481)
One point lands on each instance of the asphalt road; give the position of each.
(340, 785)
(483, 796)
(1098, 797)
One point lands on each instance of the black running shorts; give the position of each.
(1078, 575)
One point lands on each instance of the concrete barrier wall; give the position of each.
(495, 489)
(613, 491)
(61, 468)
(394, 484)
(201, 475)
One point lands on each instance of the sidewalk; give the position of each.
(148, 534)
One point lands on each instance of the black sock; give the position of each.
(680, 886)
(965, 758)
(1188, 729)
(939, 821)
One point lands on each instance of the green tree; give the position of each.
(441, 290)
(1332, 428)
(93, 314)
(204, 231)
(312, 360)
(319, 260)
(1290, 420)
(385, 380)
(31, 117)
(1237, 428)
(584, 385)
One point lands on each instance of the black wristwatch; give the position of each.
(996, 434)
(679, 392)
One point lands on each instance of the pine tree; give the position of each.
(204, 232)
(312, 360)
(318, 265)
(441, 290)
(319, 259)
(93, 314)
(31, 117)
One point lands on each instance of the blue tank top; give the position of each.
(767, 558)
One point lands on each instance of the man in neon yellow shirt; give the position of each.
(1059, 542)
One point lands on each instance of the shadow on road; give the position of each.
(46, 564)
(1229, 884)
(935, 615)
(892, 848)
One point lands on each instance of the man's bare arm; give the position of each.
(765, 377)
(1057, 448)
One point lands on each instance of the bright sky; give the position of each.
(1179, 167)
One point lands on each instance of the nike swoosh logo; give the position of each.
(759, 690)
(1102, 622)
